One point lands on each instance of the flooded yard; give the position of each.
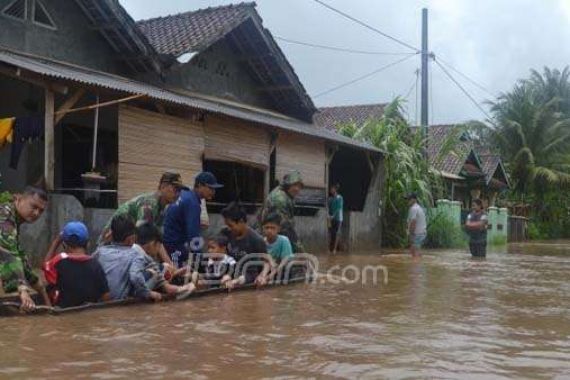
(445, 316)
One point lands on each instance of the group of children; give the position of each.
(130, 264)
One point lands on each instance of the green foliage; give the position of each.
(443, 232)
(406, 168)
(498, 241)
(5, 197)
(533, 132)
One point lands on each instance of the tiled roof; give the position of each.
(193, 31)
(490, 164)
(333, 117)
(242, 28)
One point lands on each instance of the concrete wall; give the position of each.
(74, 40)
(364, 229)
(218, 72)
(36, 238)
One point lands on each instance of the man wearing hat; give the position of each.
(281, 200)
(182, 221)
(417, 226)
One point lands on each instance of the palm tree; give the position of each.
(533, 134)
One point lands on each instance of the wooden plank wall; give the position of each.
(151, 143)
(236, 141)
(303, 153)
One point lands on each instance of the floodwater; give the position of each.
(445, 317)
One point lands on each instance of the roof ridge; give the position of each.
(354, 105)
(243, 4)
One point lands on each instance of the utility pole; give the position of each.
(425, 63)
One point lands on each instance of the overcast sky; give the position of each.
(495, 42)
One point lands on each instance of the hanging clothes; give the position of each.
(25, 129)
(6, 130)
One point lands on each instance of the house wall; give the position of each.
(218, 72)
(74, 40)
(230, 139)
(150, 144)
(306, 154)
(364, 228)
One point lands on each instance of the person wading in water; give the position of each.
(281, 201)
(476, 226)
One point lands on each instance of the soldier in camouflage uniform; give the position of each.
(15, 271)
(150, 207)
(281, 200)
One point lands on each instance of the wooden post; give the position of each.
(49, 148)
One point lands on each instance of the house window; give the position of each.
(242, 183)
(17, 9)
(41, 16)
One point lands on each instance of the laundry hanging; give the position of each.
(6, 130)
(26, 129)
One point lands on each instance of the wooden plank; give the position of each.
(100, 105)
(49, 148)
(66, 106)
(151, 143)
(308, 155)
(235, 140)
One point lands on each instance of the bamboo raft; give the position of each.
(10, 306)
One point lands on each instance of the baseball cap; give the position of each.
(292, 178)
(411, 195)
(173, 178)
(208, 179)
(76, 233)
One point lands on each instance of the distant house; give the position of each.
(469, 171)
(208, 89)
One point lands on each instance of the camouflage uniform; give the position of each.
(280, 202)
(142, 208)
(15, 270)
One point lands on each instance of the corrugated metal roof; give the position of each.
(66, 71)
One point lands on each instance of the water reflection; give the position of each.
(445, 316)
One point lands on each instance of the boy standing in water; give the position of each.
(476, 226)
(75, 277)
(417, 226)
(278, 246)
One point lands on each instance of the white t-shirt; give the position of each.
(417, 213)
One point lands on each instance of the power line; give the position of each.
(362, 23)
(414, 84)
(407, 96)
(364, 76)
(462, 89)
(472, 81)
(334, 48)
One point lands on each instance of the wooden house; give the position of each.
(209, 89)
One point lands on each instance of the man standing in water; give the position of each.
(476, 226)
(16, 273)
(281, 200)
(417, 226)
(182, 222)
(336, 206)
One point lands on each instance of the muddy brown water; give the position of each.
(443, 317)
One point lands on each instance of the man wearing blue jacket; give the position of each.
(182, 222)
